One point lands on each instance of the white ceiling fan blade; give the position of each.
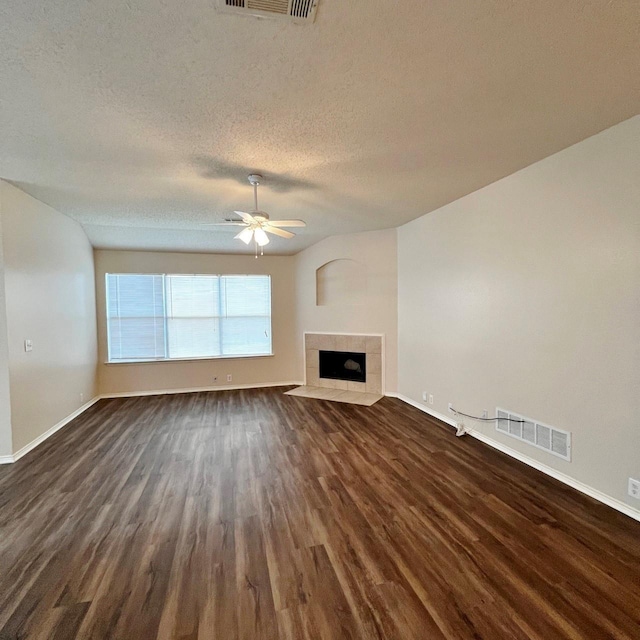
(247, 217)
(261, 237)
(287, 223)
(224, 224)
(245, 235)
(278, 232)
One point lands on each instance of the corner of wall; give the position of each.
(48, 263)
(6, 440)
(370, 262)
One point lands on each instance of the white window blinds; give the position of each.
(164, 317)
(135, 315)
(193, 316)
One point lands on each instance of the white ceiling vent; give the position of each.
(293, 10)
(540, 435)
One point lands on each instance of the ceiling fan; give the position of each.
(257, 223)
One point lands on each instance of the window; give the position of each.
(167, 317)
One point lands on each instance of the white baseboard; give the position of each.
(568, 480)
(434, 414)
(40, 439)
(550, 471)
(229, 387)
(56, 427)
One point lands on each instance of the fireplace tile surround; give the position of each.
(370, 344)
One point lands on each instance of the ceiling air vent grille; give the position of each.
(542, 436)
(274, 6)
(301, 8)
(292, 10)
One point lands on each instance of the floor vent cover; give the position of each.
(293, 10)
(551, 439)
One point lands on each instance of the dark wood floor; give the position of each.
(251, 514)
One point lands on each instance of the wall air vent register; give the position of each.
(555, 441)
(299, 11)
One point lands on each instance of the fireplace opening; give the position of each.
(343, 365)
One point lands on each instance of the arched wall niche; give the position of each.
(341, 282)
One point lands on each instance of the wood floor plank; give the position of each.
(256, 611)
(252, 514)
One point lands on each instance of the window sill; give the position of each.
(207, 358)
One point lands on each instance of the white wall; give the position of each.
(159, 376)
(48, 264)
(6, 447)
(526, 295)
(372, 305)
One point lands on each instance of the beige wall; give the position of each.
(158, 376)
(49, 277)
(526, 295)
(371, 306)
(6, 447)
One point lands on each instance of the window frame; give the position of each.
(110, 362)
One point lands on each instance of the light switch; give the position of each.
(28, 345)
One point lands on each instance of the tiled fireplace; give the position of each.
(350, 356)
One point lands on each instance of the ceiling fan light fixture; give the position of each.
(246, 235)
(261, 237)
(257, 224)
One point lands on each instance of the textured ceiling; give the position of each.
(142, 119)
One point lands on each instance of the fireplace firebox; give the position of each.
(343, 365)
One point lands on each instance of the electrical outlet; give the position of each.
(485, 414)
(450, 407)
(634, 488)
(229, 377)
(431, 398)
(424, 396)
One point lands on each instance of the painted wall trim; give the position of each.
(56, 427)
(344, 333)
(162, 392)
(130, 394)
(626, 509)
